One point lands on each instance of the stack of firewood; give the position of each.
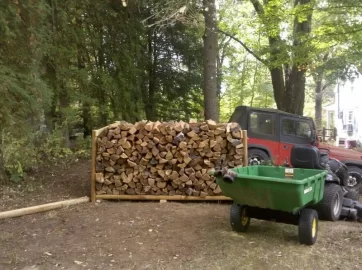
(165, 158)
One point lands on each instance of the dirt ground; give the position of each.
(153, 235)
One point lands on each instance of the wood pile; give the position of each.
(165, 158)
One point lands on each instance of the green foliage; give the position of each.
(83, 147)
(79, 65)
(19, 155)
(24, 153)
(245, 80)
(18, 150)
(53, 147)
(20, 54)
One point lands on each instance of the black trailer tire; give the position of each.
(308, 227)
(356, 172)
(330, 207)
(257, 156)
(239, 218)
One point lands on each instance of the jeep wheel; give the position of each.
(257, 157)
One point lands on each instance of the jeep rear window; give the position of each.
(262, 123)
(235, 116)
(296, 128)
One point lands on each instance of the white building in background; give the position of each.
(345, 113)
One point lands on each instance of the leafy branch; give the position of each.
(243, 44)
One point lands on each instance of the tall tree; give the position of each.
(23, 38)
(210, 54)
(287, 68)
(337, 42)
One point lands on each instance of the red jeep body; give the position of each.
(272, 133)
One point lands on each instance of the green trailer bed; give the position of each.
(269, 187)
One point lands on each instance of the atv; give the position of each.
(340, 201)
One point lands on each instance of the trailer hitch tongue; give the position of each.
(229, 176)
(217, 173)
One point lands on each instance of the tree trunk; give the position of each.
(318, 104)
(149, 96)
(243, 77)
(219, 78)
(51, 78)
(288, 78)
(254, 83)
(221, 54)
(3, 175)
(294, 96)
(102, 104)
(64, 103)
(86, 117)
(318, 80)
(210, 58)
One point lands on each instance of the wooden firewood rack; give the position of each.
(94, 196)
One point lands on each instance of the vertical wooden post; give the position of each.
(93, 177)
(245, 149)
(324, 134)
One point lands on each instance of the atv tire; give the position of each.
(330, 207)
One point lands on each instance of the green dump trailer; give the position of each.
(275, 193)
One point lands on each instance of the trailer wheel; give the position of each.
(330, 206)
(308, 227)
(239, 218)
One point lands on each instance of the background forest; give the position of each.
(67, 67)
